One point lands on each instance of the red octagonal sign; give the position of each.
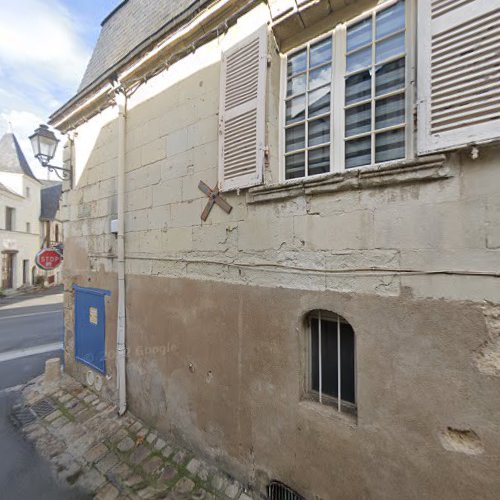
(48, 259)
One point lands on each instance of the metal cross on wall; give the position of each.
(214, 197)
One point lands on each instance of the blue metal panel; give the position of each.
(90, 327)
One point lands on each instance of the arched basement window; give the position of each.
(332, 378)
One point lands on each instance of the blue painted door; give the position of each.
(90, 327)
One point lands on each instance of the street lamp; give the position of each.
(44, 144)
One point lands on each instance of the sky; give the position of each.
(45, 46)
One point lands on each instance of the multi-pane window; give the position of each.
(332, 361)
(308, 110)
(375, 88)
(351, 108)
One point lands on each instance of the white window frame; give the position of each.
(337, 111)
(341, 405)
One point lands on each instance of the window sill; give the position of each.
(327, 411)
(424, 169)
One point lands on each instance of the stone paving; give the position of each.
(109, 457)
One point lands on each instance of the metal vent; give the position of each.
(43, 408)
(22, 416)
(280, 491)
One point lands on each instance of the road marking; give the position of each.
(29, 351)
(29, 314)
(41, 300)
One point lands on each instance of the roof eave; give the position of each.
(98, 92)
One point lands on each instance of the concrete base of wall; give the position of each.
(223, 367)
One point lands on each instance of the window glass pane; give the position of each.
(390, 20)
(295, 166)
(319, 101)
(358, 87)
(329, 357)
(359, 34)
(296, 85)
(319, 131)
(347, 376)
(359, 60)
(390, 145)
(390, 47)
(295, 138)
(390, 111)
(320, 53)
(358, 152)
(390, 77)
(319, 161)
(320, 76)
(358, 120)
(296, 63)
(296, 109)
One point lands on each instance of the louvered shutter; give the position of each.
(242, 113)
(458, 73)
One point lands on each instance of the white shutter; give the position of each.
(242, 113)
(458, 73)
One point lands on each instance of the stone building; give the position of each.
(19, 215)
(333, 322)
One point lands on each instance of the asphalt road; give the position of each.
(31, 331)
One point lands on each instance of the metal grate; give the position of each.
(43, 408)
(280, 491)
(22, 416)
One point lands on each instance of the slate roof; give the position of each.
(49, 201)
(131, 27)
(12, 158)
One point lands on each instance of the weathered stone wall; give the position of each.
(215, 310)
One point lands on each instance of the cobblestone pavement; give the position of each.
(109, 457)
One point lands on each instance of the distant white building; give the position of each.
(28, 211)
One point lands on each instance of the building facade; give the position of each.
(19, 216)
(290, 214)
(51, 226)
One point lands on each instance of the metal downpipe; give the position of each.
(121, 100)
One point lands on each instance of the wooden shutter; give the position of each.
(242, 113)
(458, 73)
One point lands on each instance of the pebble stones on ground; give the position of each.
(108, 457)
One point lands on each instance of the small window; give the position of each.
(28, 193)
(332, 378)
(9, 218)
(28, 227)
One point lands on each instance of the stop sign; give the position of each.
(48, 259)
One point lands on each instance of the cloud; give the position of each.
(23, 124)
(43, 39)
(43, 54)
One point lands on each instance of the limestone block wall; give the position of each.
(215, 310)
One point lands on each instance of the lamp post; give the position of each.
(44, 144)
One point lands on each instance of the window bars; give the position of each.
(280, 491)
(332, 361)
